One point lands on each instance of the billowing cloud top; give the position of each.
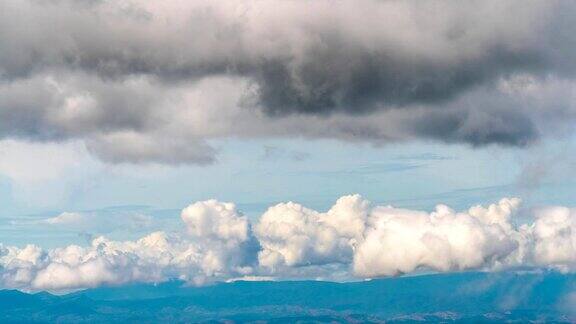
(351, 240)
(143, 81)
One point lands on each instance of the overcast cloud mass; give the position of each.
(155, 81)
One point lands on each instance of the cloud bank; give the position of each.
(150, 81)
(351, 240)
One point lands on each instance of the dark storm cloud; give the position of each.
(164, 74)
(501, 127)
(359, 82)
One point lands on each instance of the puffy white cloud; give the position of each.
(216, 246)
(153, 258)
(402, 241)
(292, 235)
(553, 236)
(352, 239)
(215, 220)
(223, 232)
(383, 241)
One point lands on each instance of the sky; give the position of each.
(208, 140)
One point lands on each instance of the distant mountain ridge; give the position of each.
(473, 296)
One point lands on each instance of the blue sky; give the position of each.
(52, 179)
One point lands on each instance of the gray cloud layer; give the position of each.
(153, 81)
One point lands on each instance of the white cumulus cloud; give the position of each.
(401, 241)
(353, 239)
(292, 235)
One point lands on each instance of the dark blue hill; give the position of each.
(478, 297)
